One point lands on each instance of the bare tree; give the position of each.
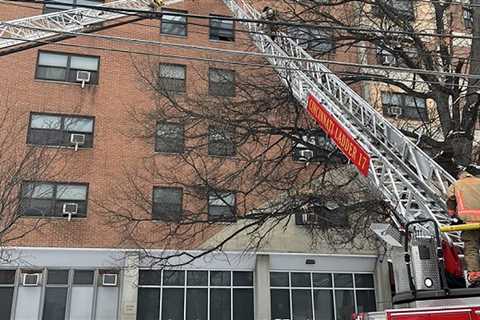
(244, 153)
(422, 37)
(20, 164)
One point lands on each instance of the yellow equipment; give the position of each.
(157, 3)
(461, 227)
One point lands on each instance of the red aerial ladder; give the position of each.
(409, 180)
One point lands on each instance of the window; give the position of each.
(468, 17)
(221, 29)
(221, 141)
(320, 296)
(221, 205)
(167, 203)
(64, 67)
(172, 78)
(169, 138)
(317, 40)
(324, 151)
(60, 130)
(323, 215)
(52, 199)
(61, 5)
(173, 24)
(386, 58)
(221, 82)
(194, 295)
(402, 8)
(404, 106)
(7, 287)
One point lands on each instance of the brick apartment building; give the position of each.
(82, 266)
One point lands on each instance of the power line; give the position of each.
(255, 54)
(307, 40)
(153, 14)
(230, 62)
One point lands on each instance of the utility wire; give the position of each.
(253, 54)
(368, 77)
(153, 14)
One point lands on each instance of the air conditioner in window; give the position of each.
(395, 111)
(387, 59)
(31, 279)
(77, 139)
(308, 218)
(70, 209)
(83, 77)
(305, 155)
(109, 279)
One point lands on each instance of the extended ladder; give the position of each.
(46, 26)
(413, 183)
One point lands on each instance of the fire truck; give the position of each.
(408, 179)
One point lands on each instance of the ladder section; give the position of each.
(413, 183)
(42, 27)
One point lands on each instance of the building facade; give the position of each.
(69, 257)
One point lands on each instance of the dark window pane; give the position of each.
(243, 304)
(366, 301)
(57, 277)
(6, 299)
(221, 141)
(150, 277)
(220, 278)
(174, 24)
(172, 304)
(279, 279)
(37, 207)
(364, 281)
(51, 73)
(344, 304)
(242, 278)
(84, 277)
(148, 307)
(302, 304)
(7, 277)
(173, 278)
(323, 301)
(300, 279)
(197, 278)
(280, 300)
(197, 300)
(343, 280)
(169, 138)
(322, 280)
(167, 203)
(55, 302)
(220, 304)
(221, 30)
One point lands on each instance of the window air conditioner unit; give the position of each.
(31, 279)
(395, 111)
(109, 279)
(305, 155)
(387, 59)
(70, 209)
(77, 139)
(308, 218)
(83, 77)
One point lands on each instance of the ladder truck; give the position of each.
(409, 180)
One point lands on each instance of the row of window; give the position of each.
(52, 293)
(171, 78)
(70, 199)
(199, 295)
(173, 22)
(320, 296)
